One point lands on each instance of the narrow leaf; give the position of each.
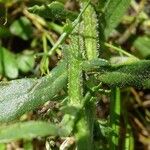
(28, 130)
(20, 96)
(115, 110)
(95, 64)
(1, 62)
(134, 74)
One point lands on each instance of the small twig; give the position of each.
(37, 21)
(137, 98)
(132, 28)
(6, 15)
(140, 125)
(146, 104)
(67, 143)
(64, 34)
(119, 50)
(40, 24)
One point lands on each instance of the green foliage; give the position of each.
(90, 32)
(123, 60)
(26, 61)
(4, 32)
(26, 94)
(95, 64)
(142, 44)
(134, 74)
(2, 146)
(66, 97)
(1, 63)
(28, 130)
(115, 111)
(22, 28)
(8, 2)
(10, 64)
(111, 13)
(53, 11)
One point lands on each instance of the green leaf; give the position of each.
(122, 60)
(2, 146)
(135, 74)
(142, 45)
(9, 63)
(28, 145)
(22, 28)
(4, 32)
(146, 84)
(28, 130)
(74, 71)
(53, 11)
(25, 61)
(1, 62)
(112, 12)
(80, 119)
(95, 64)
(20, 96)
(90, 32)
(9, 2)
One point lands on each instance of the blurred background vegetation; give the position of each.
(26, 33)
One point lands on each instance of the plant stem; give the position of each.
(86, 122)
(66, 33)
(44, 64)
(75, 92)
(57, 28)
(119, 50)
(115, 118)
(129, 139)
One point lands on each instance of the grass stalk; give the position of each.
(115, 111)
